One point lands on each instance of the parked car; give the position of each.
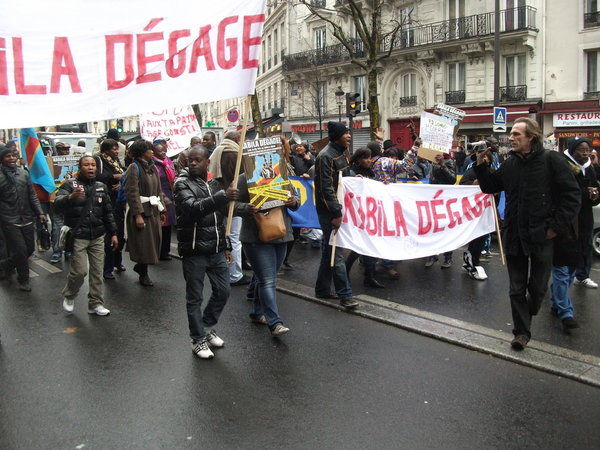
(596, 236)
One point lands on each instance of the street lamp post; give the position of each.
(339, 95)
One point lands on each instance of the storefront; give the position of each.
(570, 119)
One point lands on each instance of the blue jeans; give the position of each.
(266, 260)
(326, 272)
(194, 269)
(562, 279)
(583, 272)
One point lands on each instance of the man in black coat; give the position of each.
(85, 204)
(572, 250)
(201, 206)
(19, 207)
(330, 161)
(542, 198)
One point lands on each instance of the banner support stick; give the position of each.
(339, 196)
(238, 162)
(502, 257)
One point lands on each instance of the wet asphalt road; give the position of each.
(450, 292)
(336, 381)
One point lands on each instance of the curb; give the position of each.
(548, 358)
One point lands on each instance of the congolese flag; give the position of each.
(33, 154)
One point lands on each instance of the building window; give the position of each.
(515, 70)
(360, 86)
(593, 81)
(456, 83)
(320, 38)
(407, 36)
(591, 16)
(275, 47)
(408, 89)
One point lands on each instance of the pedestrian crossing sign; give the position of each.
(499, 116)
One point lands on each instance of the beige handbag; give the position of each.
(271, 225)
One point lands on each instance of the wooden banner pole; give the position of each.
(502, 257)
(238, 163)
(339, 196)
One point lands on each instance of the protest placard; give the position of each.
(407, 221)
(437, 134)
(123, 58)
(63, 167)
(266, 172)
(178, 125)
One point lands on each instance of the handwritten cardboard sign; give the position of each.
(437, 134)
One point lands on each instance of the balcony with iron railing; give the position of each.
(591, 95)
(455, 97)
(476, 26)
(591, 19)
(408, 101)
(513, 93)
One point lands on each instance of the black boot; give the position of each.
(370, 281)
(142, 271)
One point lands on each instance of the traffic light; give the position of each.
(120, 125)
(352, 104)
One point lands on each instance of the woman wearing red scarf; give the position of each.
(166, 172)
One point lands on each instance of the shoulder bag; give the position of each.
(271, 225)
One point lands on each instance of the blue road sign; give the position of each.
(499, 115)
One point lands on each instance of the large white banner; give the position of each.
(73, 61)
(406, 221)
(178, 125)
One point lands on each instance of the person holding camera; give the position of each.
(85, 204)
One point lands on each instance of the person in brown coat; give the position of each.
(145, 208)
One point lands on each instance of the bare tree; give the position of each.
(313, 96)
(374, 41)
(256, 116)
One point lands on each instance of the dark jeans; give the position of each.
(20, 242)
(112, 258)
(165, 243)
(368, 263)
(194, 269)
(326, 272)
(56, 223)
(266, 260)
(475, 248)
(583, 272)
(529, 275)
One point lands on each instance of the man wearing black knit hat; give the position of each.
(332, 160)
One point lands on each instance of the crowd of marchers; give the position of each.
(130, 198)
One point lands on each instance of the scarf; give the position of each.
(111, 162)
(169, 167)
(587, 164)
(214, 167)
(10, 173)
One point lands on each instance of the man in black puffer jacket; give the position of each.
(201, 206)
(86, 207)
(542, 198)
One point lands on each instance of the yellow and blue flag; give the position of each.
(306, 215)
(32, 152)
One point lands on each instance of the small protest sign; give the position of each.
(437, 134)
(266, 172)
(178, 125)
(63, 167)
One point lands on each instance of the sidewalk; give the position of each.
(450, 292)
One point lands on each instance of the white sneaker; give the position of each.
(68, 304)
(478, 273)
(201, 349)
(214, 340)
(588, 283)
(99, 310)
